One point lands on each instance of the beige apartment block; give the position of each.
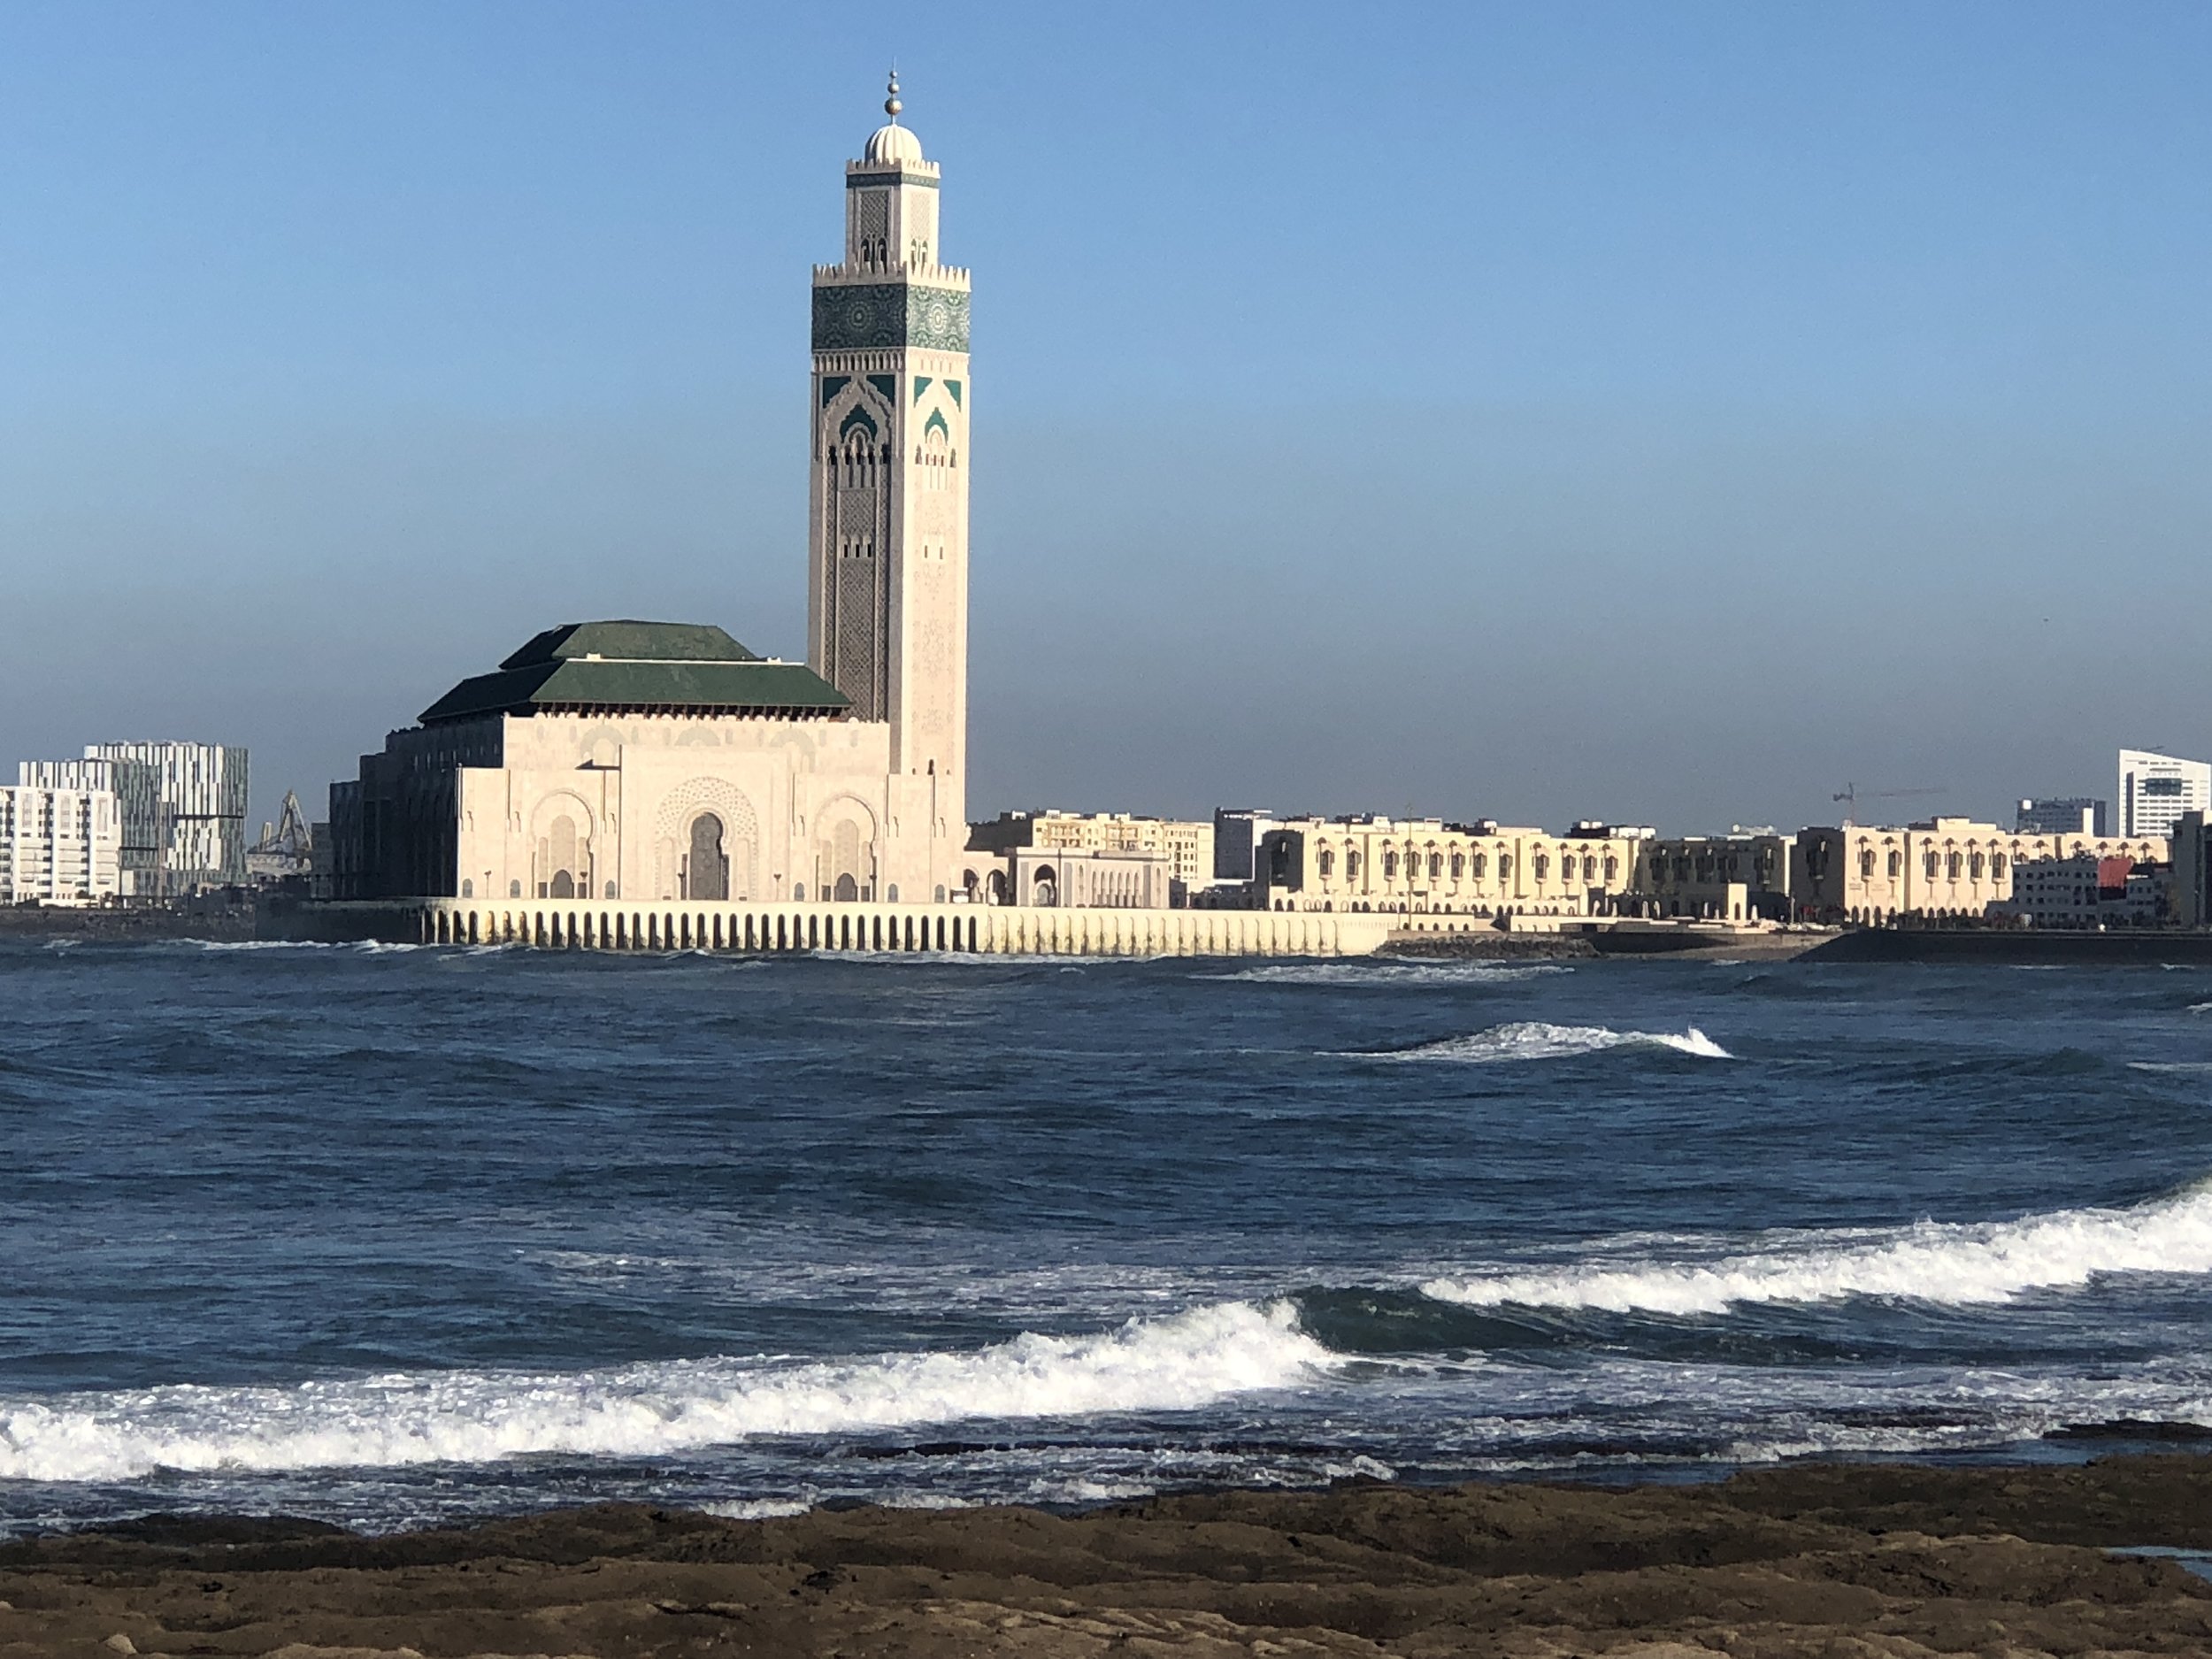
(1942, 867)
(1186, 846)
(1425, 866)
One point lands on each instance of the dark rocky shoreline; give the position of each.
(1830, 1559)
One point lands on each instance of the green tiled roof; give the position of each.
(633, 641)
(639, 667)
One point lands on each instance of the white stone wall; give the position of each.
(804, 809)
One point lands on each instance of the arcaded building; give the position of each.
(1425, 866)
(644, 761)
(1938, 868)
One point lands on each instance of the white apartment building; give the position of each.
(2156, 789)
(60, 846)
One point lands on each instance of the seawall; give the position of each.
(969, 929)
(2052, 950)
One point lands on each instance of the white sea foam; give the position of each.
(1390, 975)
(1991, 1262)
(1178, 1362)
(1535, 1040)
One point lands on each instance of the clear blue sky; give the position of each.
(1660, 411)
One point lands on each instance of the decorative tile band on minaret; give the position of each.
(887, 588)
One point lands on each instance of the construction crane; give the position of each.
(1851, 795)
(286, 847)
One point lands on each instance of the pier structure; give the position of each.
(953, 929)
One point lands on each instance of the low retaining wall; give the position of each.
(969, 929)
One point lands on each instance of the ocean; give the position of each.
(395, 1235)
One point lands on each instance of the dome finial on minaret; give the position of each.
(894, 142)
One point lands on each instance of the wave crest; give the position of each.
(1952, 1264)
(1186, 1360)
(1536, 1039)
(1389, 975)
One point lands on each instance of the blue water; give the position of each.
(386, 1234)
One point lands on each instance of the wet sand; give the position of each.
(1835, 1560)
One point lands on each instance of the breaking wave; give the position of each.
(1534, 1040)
(1951, 1263)
(1393, 975)
(1179, 1362)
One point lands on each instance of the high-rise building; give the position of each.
(184, 815)
(2062, 814)
(888, 584)
(2156, 789)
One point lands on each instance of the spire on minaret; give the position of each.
(891, 105)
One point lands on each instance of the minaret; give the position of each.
(887, 588)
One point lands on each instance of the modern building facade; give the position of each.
(184, 815)
(2066, 815)
(2156, 789)
(2083, 890)
(60, 843)
(642, 761)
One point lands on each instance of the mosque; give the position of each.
(645, 761)
(627, 785)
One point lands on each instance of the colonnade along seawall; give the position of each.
(972, 929)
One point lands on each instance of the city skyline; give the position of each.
(1682, 463)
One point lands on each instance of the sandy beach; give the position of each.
(1829, 1559)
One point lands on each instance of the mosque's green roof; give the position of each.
(639, 668)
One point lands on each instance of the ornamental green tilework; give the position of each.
(866, 315)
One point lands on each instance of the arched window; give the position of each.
(1612, 868)
(514, 889)
(1997, 866)
(1975, 864)
(1927, 861)
(1327, 862)
(1459, 865)
(1351, 865)
(1476, 863)
(1436, 865)
(468, 889)
(1896, 864)
(1505, 866)
(1955, 864)
(1866, 863)
(1390, 865)
(1543, 866)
